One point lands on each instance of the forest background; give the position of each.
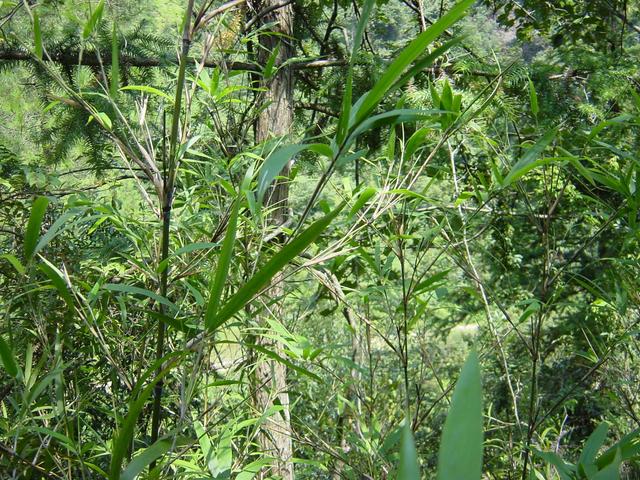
(319, 239)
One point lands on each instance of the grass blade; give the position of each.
(528, 160)
(115, 63)
(460, 456)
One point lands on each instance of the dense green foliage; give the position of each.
(449, 289)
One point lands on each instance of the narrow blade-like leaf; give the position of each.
(408, 468)
(8, 359)
(280, 260)
(33, 227)
(460, 456)
(219, 279)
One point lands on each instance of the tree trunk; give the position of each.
(275, 121)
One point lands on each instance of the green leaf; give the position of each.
(280, 260)
(37, 36)
(565, 470)
(407, 56)
(147, 89)
(117, 287)
(144, 458)
(460, 456)
(611, 471)
(277, 160)
(95, 17)
(15, 263)
(629, 447)
(123, 436)
(533, 99)
(224, 260)
(33, 227)
(364, 197)
(57, 279)
(408, 468)
(115, 63)
(529, 159)
(8, 359)
(593, 444)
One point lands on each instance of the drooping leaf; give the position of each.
(117, 287)
(460, 456)
(33, 227)
(277, 160)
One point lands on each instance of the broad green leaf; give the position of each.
(629, 447)
(33, 227)
(8, 359)
(37, 36)
(147, 89)
(117, 287)
(95, 17)
(529, 159)
(218, 281)
(565, 470)
(593, 444)
(460, 456)
(250, 471)
(408, 468)
(144, 458)
(407, 56)
(280, 260)
(611, 471)
(115, 62)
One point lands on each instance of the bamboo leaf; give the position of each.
(95, 17)
(280, 260)
(144, 458)
(147, 89)
(224, 260)
(116, 287)
(363, 198)
(460, 456)
(593, 444)
(529, 159)
(33, 227)
(277, 160)
(8, 359)
(407, 56)
(57, 279)
(15, 263)
(408, 469)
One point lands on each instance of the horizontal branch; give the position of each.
(92, 60)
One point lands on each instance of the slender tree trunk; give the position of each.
(275, 121)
